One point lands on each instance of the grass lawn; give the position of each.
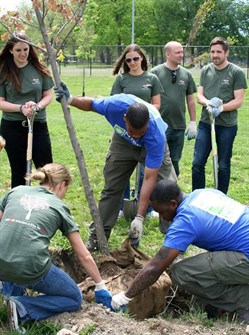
(94, 133)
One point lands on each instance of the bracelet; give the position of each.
(20, 109)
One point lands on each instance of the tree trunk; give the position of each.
(102, 241)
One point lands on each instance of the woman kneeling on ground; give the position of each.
(30, 216)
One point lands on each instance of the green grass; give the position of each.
(94, 133)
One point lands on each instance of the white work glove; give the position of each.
(119, 301)
(136, 230)
(214, 102)
(191, 130)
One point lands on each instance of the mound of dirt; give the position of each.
(118, 270)
(97, 320)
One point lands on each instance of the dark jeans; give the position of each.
(16, 136)
(175, 139)
(224, 138)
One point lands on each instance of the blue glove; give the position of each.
(63, 92)
(215, 102)
(102, 295)
(216, 111)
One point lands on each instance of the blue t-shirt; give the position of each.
(208, 219)
(114, 108)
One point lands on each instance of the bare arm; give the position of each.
(9, 106)
(191, 107)
(152, 271)
(84, 103)
(150, 178)
(236, 102)
(84, 256)
(156, 101)
(1, 214)
(201, 99)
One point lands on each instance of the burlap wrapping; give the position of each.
(119, 270)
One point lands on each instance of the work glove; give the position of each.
(214, 102)
(119, 301)
(136, 230)
(215, 111)
(102, 295)
(63, 92)
(191, 130)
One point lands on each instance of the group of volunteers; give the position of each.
(147, 110)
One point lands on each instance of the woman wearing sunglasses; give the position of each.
(135, 79)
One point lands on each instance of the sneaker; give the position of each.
(92, 245)
(120, 214)
(13, 317)
(152, 215)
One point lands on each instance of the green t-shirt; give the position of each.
(222, 84)
(32, 86)
(144, 86)
(173, 99)
(31, 216)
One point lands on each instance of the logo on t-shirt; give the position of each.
(36, 81)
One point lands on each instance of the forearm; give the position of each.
(149, 182)
(191, 107)
(9, 106)
(84, 103)
(91, 267)
(145, 278)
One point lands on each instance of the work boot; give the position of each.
(92, 245)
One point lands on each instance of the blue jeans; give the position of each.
(59, 294)
(224, 138)
(175, 139)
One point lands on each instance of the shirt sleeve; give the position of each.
(117, 87)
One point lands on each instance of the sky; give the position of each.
(11, 4)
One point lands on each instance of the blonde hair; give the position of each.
(52, 174)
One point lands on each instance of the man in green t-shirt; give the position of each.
(222, 87)
(179, 88)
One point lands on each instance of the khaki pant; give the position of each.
(219, 278)
(121, 161)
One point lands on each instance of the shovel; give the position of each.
(30, 122)
(130, 206)
(214, 148)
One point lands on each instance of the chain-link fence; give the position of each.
(105, 56)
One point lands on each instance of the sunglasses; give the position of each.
(134, 59)
(174, 77)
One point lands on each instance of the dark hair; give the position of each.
(121, 59)
(9, 72)
(219, 40)
(137, 115)
(164, 191)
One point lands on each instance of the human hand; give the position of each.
(2, 143)
(102, 295)
(136, 230)
(63, 92)
(191, 130)
(214, 102)
(215, 111)
(119, 301)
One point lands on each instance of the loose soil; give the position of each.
(152, 313)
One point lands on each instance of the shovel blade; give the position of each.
(130, 209)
